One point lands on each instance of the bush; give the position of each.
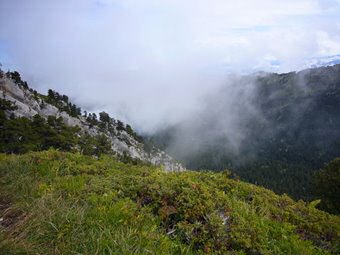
(327, 187)
(72, 203)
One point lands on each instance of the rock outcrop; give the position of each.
(31, 103)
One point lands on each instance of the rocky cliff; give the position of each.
(30, 103)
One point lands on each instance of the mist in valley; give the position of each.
(271, 129)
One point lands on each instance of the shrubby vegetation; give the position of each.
(62, 203)
(15, 76)
(327, 187)
(95, 145)
(21, 135)
(106, 123)
(62, 103)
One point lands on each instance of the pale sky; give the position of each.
(150, 62)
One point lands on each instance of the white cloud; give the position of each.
(149, 61)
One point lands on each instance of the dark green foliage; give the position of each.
(104, 117)
(120, 125)
(107, 124)
(64, 203)
(20, 135)
(50, 94)
(6, 105)
(129, 129)
(327, 187)
(92, 119)
(35, 94)
(15, 76)
(131, 132)
(148, 144)
(105, 121)
(25, 85)
(62, 103)
(64, 98)
(95, 145)
(2, 74)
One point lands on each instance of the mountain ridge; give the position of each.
(124, 141)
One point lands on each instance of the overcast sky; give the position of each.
(150, 62)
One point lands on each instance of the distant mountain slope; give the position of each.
(54, 114)
(271, 129)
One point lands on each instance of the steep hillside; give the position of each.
(275, 130)
(33, 121)
(62, 203)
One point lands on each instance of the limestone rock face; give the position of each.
(29, 105)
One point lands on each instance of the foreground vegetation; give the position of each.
(55, 202)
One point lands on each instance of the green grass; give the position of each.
(62, 203)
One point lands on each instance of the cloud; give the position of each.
(151, 62)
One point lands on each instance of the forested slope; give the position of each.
(274, 130)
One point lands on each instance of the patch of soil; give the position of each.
(8, 217)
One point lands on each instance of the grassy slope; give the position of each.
(62, 203)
